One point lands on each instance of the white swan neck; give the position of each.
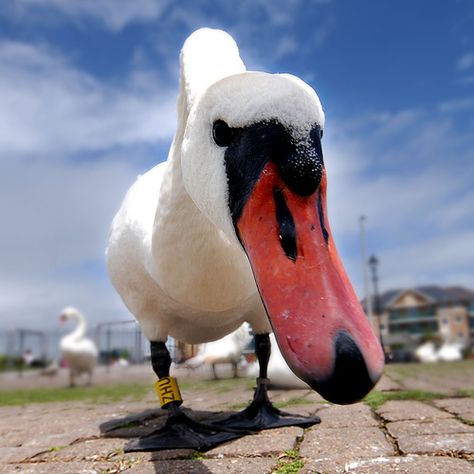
(80, 330)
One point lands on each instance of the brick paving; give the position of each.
(400, 436)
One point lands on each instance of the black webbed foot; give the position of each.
(181, 432)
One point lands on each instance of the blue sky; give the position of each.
(87, 100)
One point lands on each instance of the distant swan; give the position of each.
(81, 353)
(227, 350)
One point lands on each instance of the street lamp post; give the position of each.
(377, 307)
(363, 252)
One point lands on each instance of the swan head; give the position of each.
(252, 161)
(69, 313)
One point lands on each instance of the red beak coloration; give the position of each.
(319, 324)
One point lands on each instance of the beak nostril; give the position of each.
(286, 225)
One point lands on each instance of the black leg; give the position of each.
(263, 349)
(179, 431)
(261, 414)
(160, 359)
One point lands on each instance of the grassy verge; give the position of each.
(62, 394)
(377, 399)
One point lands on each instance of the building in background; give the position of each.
(408, 316)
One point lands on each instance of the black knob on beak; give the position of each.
(302, 168)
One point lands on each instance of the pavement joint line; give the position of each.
(457, 454)
(382, 425)
(456, 417)
(32, 460)
(295, 457)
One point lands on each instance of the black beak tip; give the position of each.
(350, 380)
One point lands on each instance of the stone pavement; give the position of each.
(400, 436)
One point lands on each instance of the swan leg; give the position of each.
(261, 414)
(72, 379)
(179, 431)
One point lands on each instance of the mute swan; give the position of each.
(233, 227)
(80, 352)
(427, 352)
(227, 350)
(450, 351)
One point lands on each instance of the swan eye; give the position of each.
(222, 133)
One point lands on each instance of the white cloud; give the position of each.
(55, 226)
(70, 146)
(465, 62)
(459, 104)
(53, 108)
(411, 174)
(114, 14)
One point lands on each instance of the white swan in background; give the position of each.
(279, 373)
(450, 351)
(426, 352)
(80, 352)
(233, 228)
(227, 350)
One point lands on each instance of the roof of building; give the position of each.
(439, 294)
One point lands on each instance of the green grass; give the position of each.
(196, 455)
(402, 371)
(62, 394)
(55, 449)
(290, 463)
(376, 399)
(466, 393)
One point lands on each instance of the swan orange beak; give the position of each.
(318, 322)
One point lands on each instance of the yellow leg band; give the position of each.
(168, 391)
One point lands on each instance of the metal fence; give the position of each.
(118, 340)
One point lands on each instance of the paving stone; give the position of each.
(261, 444)
(437, 443)
(416, 427)
(342, 416)
(397, 410)
(336, 447)
(59, 468)
(315, 397)
(207, 466)
(304, 410)
(463, 407)
(99, 448)
(390, 465)
(387, 384)
(52, 425)
(19, 453)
